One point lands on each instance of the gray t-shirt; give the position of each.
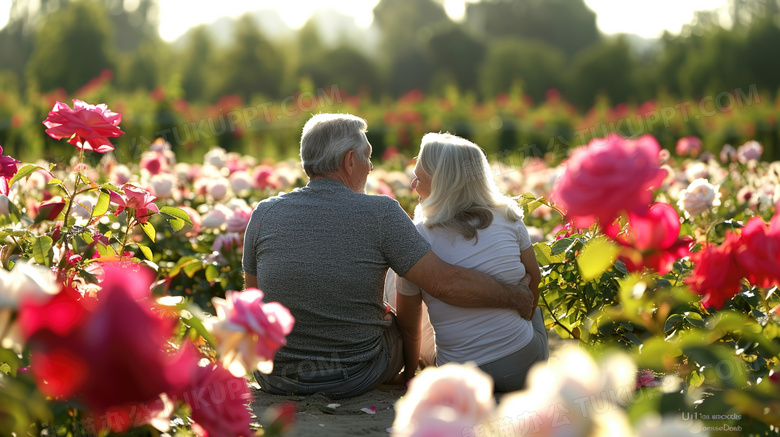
(322, 251)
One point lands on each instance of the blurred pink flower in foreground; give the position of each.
(219, 403)
(85, 126)
(442, 400)
(110, 352)
(137, 199)
(610, 175)
(249, 331)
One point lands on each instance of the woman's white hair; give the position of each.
(327, 138)
(464, 194)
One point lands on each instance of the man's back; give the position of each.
(322, 251)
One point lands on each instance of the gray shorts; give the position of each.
(509, 373)
(343, 382)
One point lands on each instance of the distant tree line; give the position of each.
(502, 45)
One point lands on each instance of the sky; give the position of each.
(646, 18)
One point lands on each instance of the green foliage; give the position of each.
(68, 53)
(535, 66)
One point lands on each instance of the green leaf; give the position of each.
(179, 264)
(694, 319)
(563, 245)
(197, 325)
(544, 255)
(146, 251)
(673, 320)
(55, 181)
(170, 212)
(109, 186)
(596, 257)
(191, 268)
(176, 224)
(148, 228)
(41, 248)
(101, 207)
(212, 273)
(23, 173)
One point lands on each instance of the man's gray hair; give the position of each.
(327, 138)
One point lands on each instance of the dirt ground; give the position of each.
(320, 416)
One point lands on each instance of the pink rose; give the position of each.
(750, 151)
(239, 220)
(137, 199)
(154, 162)
(610, 175)
(7, 165)
(249, 331)
(219, 402)
(265, 177)
(446, 397)
(688, 146)
(646, 379)
(727, 153)
(227, 242)
(86, 126)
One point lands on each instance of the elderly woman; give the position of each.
(470, 223)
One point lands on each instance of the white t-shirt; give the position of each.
(481, 335)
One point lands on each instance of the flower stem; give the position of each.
(130, 224)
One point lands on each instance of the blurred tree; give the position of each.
(406, 26)
(534, 65)
(136, 26)
(607, 69)
(309, 40)
(566, 24)
(145, 68)
(763, 39)
(251, 65)
(197, 65)
(343, 66)
(720, 51)
(458, 53)
(67, 52)
(403, 22)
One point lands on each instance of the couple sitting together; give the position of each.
(324, 250)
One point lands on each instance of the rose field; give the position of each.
(122, 306)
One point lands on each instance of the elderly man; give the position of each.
(323, 251)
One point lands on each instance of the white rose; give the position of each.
(697, 170)
(700, 196)
(240, 181)
(82, 207)
(162, 185)
(26, 279)
(121, 175)
(218, 188)
(216, 157)
(216, 217)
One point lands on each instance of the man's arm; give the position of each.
(250, 281)
(469, 288)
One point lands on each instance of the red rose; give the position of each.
(610, 175)
(219, 402)
(651, 239)
(716, 273)
(85, 126)
(760, 254)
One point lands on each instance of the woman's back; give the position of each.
(481, 335)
